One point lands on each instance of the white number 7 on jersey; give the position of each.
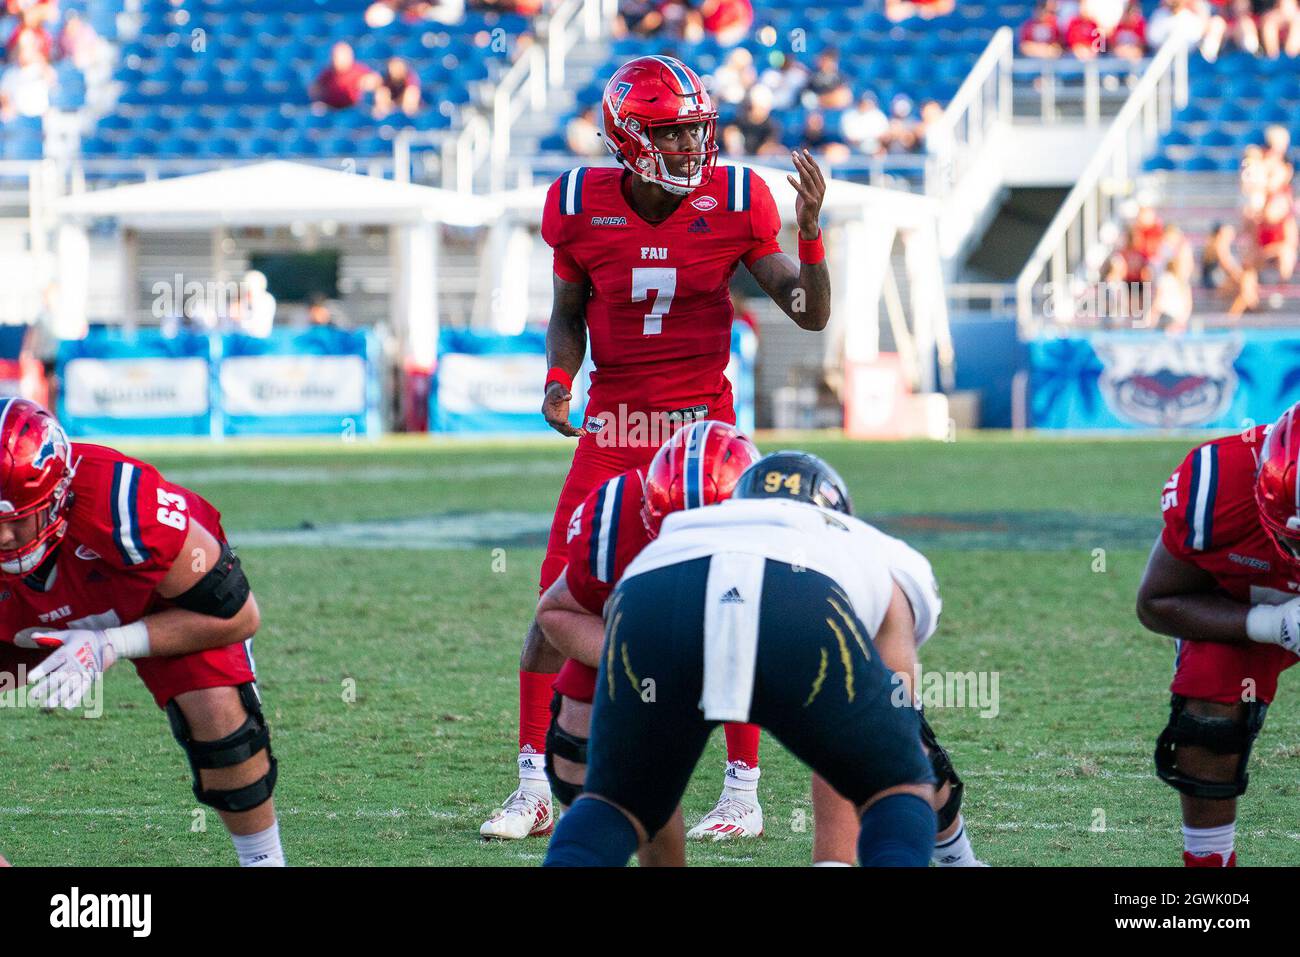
(662, 281)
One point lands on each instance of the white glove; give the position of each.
(63, 678)
(1276, 625)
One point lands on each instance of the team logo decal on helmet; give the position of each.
(649, 94)
(800, 476)
(698, 466)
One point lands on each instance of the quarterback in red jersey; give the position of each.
(643, 257)
(101, 558)
(1223, 579)
(699, 466)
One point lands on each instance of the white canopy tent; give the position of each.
(273, 194)
(866, 219)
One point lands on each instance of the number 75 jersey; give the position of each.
(659, 317)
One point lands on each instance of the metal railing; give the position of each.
(522, 88)
(981, 103)
(1106, 182)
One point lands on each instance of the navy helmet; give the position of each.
(799, 476)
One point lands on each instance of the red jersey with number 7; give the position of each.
(659, 317)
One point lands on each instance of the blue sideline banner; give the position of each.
(1134, 381)
(319, 382)
(485, 382)
(115, 385)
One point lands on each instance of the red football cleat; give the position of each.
(1208, 860)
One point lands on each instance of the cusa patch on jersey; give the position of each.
(704, 203)
(609, 220)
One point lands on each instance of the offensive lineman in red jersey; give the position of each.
(1222, 578)
(101, 558)
(699, 466)
(643, 260)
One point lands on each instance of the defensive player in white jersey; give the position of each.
(776, 612)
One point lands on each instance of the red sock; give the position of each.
(742, 744)
(534, 709)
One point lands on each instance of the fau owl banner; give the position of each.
(1129, 381)
(116, 385)
(319, 382)
(485, 382)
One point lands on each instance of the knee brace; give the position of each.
(235, 748)
(565, 745)
(1216, 735)
(945, 772)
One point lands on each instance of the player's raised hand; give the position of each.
(62, 679)
(811, 187)
(555, 407)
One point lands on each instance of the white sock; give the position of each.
(831, 864)
(1204, 841)
(741, 782)
(261, 849)
(532, 772)
(954, 851)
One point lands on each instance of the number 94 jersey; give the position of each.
(659, 317)
(126, 527)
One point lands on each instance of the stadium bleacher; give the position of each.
(240, 88)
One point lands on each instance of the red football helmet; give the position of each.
(649, 93)
(1277, 484)
(36, 470)
(700, 465)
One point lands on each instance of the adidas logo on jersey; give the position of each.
(699, 226)
(732, 597)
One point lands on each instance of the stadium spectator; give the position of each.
(399, 89)
(928, 134)
(384, 12)
(1171, 306)
(1136, 255)
(819, 140)
(253, 313)
(79, 43)
(1277, 168)
(1256, 174)
(343, 83)
(1283, 20)
(25, 86)
(320, 315)
(1220, 268)
(30, 29)
(827, 84)
(786, 81)
(864, 125)
(1194, 20)
(1084, 38)
(726, 21)
(1240, 25)
(1040, 35)
(583, 137)
(641, 17)
(901, 135)
(1129, 38)
(734, 77)
(755, 132)
(900, 10)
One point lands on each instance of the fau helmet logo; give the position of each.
(54, 443)
(1168, 384)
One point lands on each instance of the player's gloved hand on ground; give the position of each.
(1276, 625)
(62, 679)
(555, 407)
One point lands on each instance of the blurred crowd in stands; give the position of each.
(837, 125)
(1086, 29)
(37, 36)
(1150, 277)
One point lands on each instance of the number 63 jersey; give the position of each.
(659, 317)
(126, 527)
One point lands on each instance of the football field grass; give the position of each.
(396, 580)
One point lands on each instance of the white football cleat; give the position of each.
(524, 814)
(731, 818)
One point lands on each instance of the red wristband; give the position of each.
(556, 374)
(811, 251)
